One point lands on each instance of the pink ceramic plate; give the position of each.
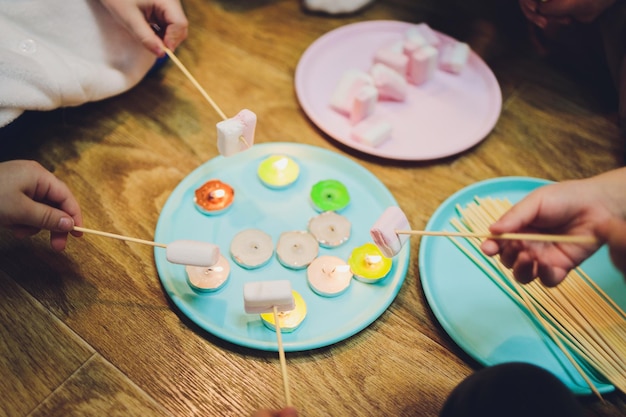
(442, 117)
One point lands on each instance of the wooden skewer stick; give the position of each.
(196, 84)
(120, 237)
(281, 356)
(505, 236)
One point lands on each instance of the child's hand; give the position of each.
(32, 198)
(139, 16)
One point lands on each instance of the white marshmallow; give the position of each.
(350, 83)
(372, 132)
(422, 65)
(364, 103)
(454, 57)
(427, 33)
(384, 231)
(263, 296)
(191, 252)
(231, 131)
(389, 83)
(413, 34)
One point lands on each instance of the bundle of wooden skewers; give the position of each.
(577, 315)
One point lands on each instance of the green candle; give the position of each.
(329, 195)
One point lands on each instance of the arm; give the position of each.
(32, 198)
(572, 207)
(138, 16)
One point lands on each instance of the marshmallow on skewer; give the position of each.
(384, 231)
(263, 296)
(191, 252)
(237, 133)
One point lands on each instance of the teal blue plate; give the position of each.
(482, 319)
(329, 320)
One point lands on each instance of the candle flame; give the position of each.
(280, 164)
(373, 259)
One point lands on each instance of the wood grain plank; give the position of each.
(98, 389)
(123, 156)
(37, 351)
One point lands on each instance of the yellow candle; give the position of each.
(278, 171)
(368, 263)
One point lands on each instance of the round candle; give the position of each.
(368, 263)
(330, 229)
(214, 197)
(278, 171)
(288, 320)
(329, 195)
(208, 279)
(251, 248)
(329, 276)
(296, 249)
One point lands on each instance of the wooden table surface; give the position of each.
(91, 331)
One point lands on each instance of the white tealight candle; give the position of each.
(330, 229)
(208, 279)
(296, 249)
(329, 276)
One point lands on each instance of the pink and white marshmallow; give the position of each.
(372, 132)
(351, 82)
(391, 85)
(237, 133)
(424, 32)
(384, 231)
(422, 65)
(454, 57)
(364, 103)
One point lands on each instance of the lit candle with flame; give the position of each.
(209, 279)
(329, 276)
(214, 197)
(278, 171)
(368, 263)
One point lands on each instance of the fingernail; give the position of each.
(66, 224)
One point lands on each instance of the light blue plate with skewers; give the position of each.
(479, 316)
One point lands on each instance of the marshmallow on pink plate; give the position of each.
(422, 65)
(454, 57)
(237, 133)
(394, 59)
(349, 85)
(364, 103)
(425, 32)
(372, 132)
(263, 296)
(390, 84)
(384, 231)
